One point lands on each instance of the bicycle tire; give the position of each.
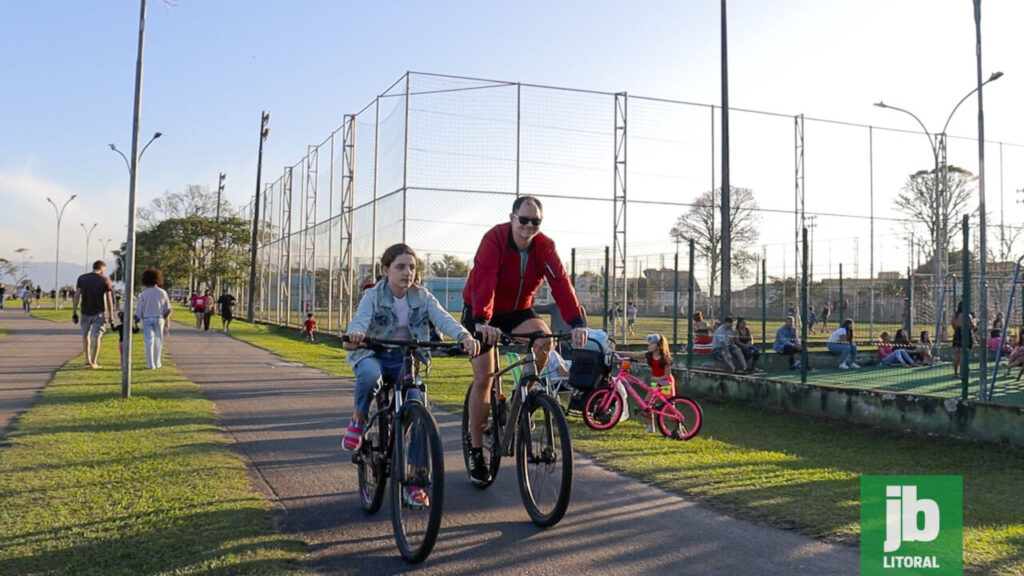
(416, 528)
(372, 468)
(551, 447)
(602, 419)
(676, 428)
(491, 440)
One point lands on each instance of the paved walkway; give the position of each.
(287, 419)
(30, 353)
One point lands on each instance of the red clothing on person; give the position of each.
(884, 350)
(310, 325)
(499, 282)
(199, 302)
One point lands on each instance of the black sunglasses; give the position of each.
(524, 220)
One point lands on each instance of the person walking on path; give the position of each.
(511, 262)
(227, 310)
(3, 292)
(198, 305)
(92, 291)
(153, 310)
(26, 300)
(207, 310)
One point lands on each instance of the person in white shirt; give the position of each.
(841, 344)
(153, 310)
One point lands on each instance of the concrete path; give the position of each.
(287, 421)
(30, 354)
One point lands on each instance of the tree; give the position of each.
(918, 201)
(449, 266)
(195, 202)
(701, 223)
(183, 249)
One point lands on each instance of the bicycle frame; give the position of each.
(629, 382)
(522, 387)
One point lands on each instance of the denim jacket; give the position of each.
(376, 318)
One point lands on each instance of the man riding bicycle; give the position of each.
(510, 264)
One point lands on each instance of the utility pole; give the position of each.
(217, 234)
(264, 133)
(726, 287)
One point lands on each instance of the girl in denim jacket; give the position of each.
(395, 308)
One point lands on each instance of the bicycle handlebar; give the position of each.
(507, 338)
(369, 342)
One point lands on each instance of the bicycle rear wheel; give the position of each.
(544, 460)
(417, 483)
(491, 442)
(596, 416)
(680, 419)
(371, 462)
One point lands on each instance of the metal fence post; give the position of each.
(689, 307)
(675, 302)
(764, 305)
(803, 306)
(607, 274)
(572, 268)
(965, 321)
(842, 300)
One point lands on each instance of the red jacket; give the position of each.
(498, 285)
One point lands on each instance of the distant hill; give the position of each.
(41, 273)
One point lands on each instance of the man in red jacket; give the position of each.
(511, 262)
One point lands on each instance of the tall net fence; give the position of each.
(434, 161)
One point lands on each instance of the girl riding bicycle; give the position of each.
(659, 359)
(394, 309)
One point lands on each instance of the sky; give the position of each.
(211, 67)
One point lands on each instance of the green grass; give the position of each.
(785, 470)
(92, 484)
(932, 381)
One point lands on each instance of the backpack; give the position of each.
(591, 363)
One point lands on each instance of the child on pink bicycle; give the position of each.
(659, 359)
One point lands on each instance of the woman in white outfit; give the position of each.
(153, 310)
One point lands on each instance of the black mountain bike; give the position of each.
(401, 440)
(533, 427)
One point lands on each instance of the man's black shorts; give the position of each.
(507, 322)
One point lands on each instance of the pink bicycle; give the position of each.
(678, 417)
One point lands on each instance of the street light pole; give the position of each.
(937, 143)
(982, 276)
(56, 264)
(264, 133)
(88, 237)
(129, 256)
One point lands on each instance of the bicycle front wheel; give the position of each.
(595, 413)
(680, 418)
(417, 483)
(544, 460)
(371, 463)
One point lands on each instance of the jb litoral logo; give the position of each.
(911, 525)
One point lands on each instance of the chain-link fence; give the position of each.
(436, 160)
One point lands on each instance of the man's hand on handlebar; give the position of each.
(579, 337)
(353, 340)
(488, 334)
(470, 345)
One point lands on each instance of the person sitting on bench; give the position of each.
(724, 348)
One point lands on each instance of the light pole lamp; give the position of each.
(127, 268)
(937, 143)
(88, 237)
(264, 133)
(56, 264)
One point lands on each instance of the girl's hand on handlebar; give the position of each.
(353, 340)
(579, 337)
(470, 345)
(489, 334)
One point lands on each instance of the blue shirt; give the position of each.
(785, 336)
